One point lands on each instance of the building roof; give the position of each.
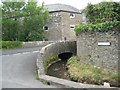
(61, 7)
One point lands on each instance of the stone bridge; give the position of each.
(59, 49)
(62, 49)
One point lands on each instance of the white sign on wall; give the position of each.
(103, 43)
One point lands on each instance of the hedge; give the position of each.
(10, 44)
(105, 26)
(103, 16)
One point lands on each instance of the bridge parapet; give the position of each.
(54, 49)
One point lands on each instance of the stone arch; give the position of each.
(65, 55)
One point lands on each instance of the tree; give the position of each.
(23, 21)
(34, 20)
(10, 11)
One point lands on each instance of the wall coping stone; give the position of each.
(31, 44)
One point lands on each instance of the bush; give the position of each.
(48, 61)
(85, 73)
(105, 26)
(10, 44)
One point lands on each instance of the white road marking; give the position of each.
(21, 53)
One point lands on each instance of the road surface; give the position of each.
(18, 69)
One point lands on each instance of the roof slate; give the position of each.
(61, 7)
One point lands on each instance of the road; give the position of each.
(18, 69)
(20, 50)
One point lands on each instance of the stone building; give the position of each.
(62, 21)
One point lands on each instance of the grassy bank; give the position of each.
(89, 74)
(10, 44)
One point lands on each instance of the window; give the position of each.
(72, 15)
(45, 28)
(72, 27)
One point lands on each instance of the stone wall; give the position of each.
(99, 55)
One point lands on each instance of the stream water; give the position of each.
(58, 69)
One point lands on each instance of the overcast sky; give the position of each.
(80, 4)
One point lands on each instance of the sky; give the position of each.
(80, 4)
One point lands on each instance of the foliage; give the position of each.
(37, 76)
(9, 30)
(101, 12)
(100, 17)
(0, 28)
(48, 61)
(85, 73)
(23, 21)
(105, 26)
(10, 26)
(10, 44)
(45, 82)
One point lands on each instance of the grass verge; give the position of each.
(37, 77)
(89, 74)
(10, 44)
